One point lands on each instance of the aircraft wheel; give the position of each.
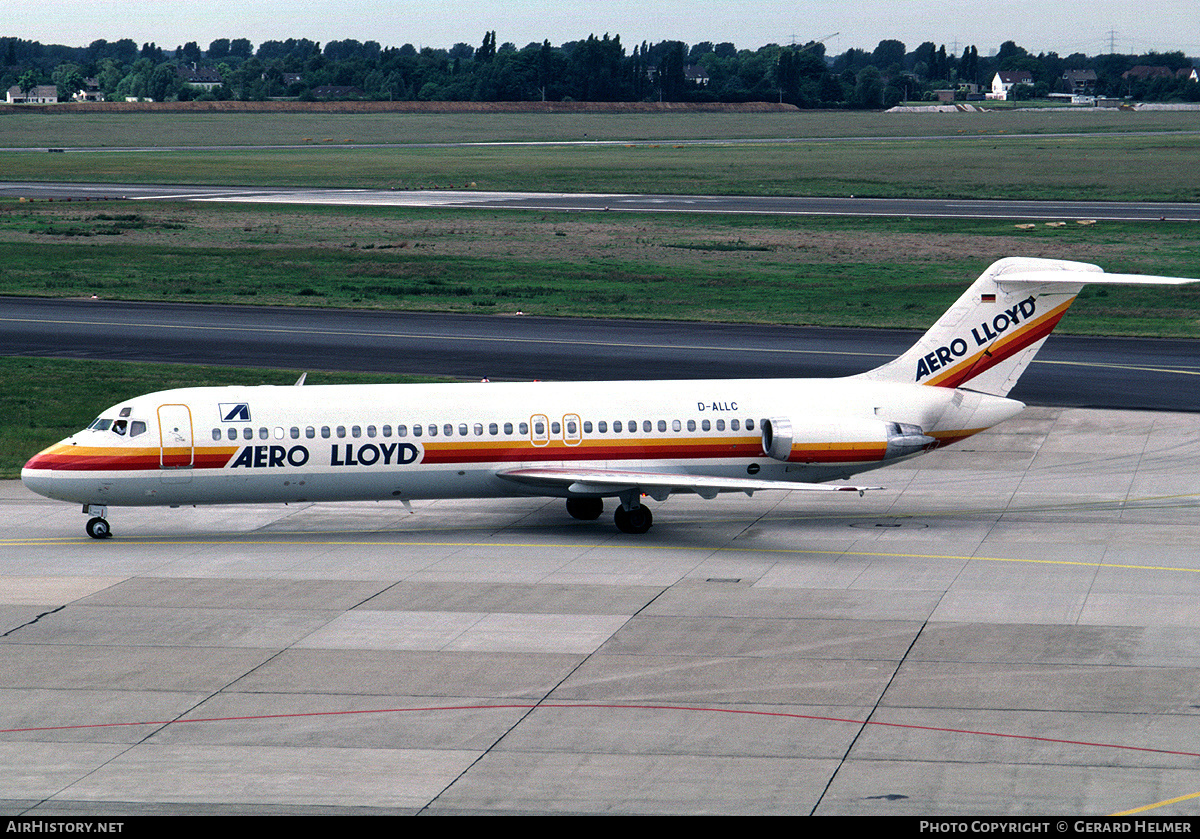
(637, 520)
(587, 509)
(98, 528)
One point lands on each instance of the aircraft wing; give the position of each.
(658, 485)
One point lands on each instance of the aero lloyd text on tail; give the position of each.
(984, 335)
(580, 441)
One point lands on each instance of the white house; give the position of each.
(43, 94)
(204, 78)
(1004, 81)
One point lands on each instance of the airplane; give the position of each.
(581, 441)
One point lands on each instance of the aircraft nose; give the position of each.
(37, 479)
(38, 473)
(46, 459)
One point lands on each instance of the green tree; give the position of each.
(69, 80)
(28, 81)
(868, 88)
(487, 51)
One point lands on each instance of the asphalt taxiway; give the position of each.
(1009, 628)
(1071, 370)
(593, 202)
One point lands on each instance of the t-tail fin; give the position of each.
(987, 338)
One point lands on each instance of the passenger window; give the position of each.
(401, 430)
(310, 432)
(646, 426)
(247, 433)
(478, 429)
(279, 432)
(587, 427)
(601, 427)
(539, 428)
(462, 429)
(341, 431)
(691, 426)
(508, 428)
(418, 430)
(705, 425)
(263, 433)
(676, 425)
(633, 426)
(325, 432)
(370, 431)
(386, 431)
(231, 433)
(216, 434)
(493, 429)
(749, 425)
(432, 430)
(734, 425)
(294, 432)
(448, 430)
(555, 427)
(662, 425)
(355, 431)
(524, 428)
(617, 427)
(720, 425)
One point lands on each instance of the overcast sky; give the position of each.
(1037, 25)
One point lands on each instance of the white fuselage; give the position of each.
(357, 442)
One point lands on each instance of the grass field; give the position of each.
(843, 272)
(82, 129)
(1016, 154)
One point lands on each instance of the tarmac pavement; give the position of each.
(1009, 628)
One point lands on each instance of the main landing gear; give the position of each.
(586, 509)
(634, 520)
(631, 515)
(97, 526)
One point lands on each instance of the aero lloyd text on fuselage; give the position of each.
(342, 454)
(983, 334)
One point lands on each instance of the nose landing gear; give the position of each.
(97, 526)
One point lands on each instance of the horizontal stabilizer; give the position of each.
(1074, 278)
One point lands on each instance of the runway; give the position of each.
(567, 202)
(1007, 629)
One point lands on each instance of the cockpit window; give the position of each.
(120, 426)
(100, 424)
(137, 427)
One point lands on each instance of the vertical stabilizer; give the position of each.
(988, 337)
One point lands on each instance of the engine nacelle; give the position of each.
(777, 438)
(849, 440)
(905, 438)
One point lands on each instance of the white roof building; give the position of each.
(42, 94)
